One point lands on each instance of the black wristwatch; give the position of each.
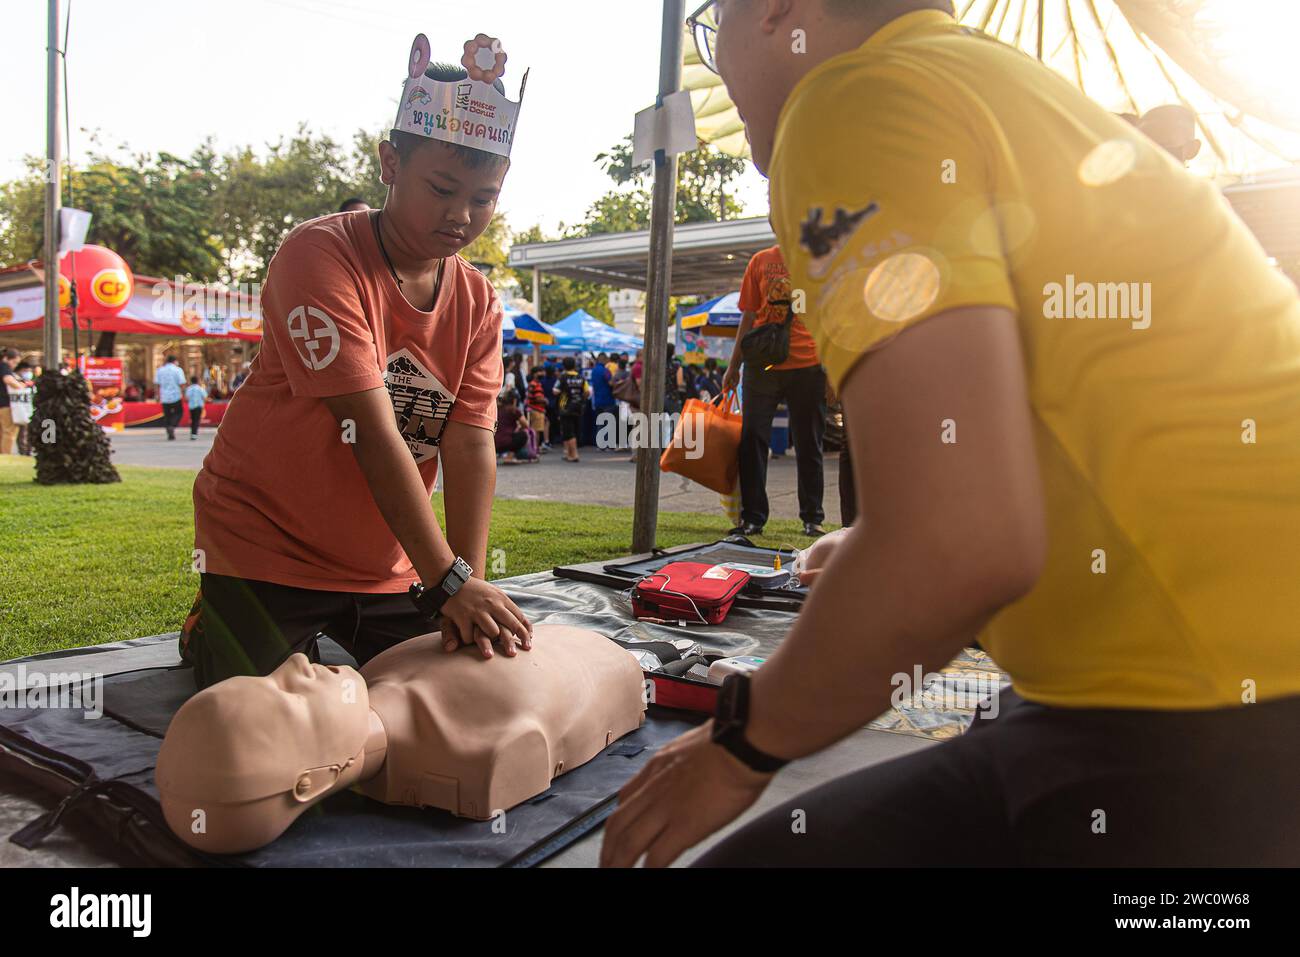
(729, 721)
(430, 600)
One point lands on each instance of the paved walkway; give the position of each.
(606, 478)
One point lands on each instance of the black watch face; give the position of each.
(728, 715)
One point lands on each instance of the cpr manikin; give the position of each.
(416, 726)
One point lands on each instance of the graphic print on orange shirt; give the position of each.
(421, 402)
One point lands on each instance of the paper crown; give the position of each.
(470, 111)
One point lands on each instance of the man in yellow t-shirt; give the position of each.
(1072, 384)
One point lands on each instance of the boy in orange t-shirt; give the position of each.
(380, 364)
(765, 297)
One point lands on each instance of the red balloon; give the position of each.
(104, 282)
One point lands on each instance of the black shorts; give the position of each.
(243, 627)
(1046, 786)
(569, 426)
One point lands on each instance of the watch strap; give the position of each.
(729, 727)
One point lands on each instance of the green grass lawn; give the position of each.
(86, 564)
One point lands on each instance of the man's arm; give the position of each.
(731, 378)
(398, 491)
(948, 534)
(469, 481)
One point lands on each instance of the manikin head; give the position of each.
(243, 758)
(760, 63)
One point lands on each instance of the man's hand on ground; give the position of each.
(690, 789)
(481, 613)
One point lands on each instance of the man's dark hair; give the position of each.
(407, 143)
(601, 357)
(569, 364)
(10, 352)
(171, 358)
(622, 362)
(711, 363)
(343, 206)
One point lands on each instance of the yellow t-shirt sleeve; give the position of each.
(886, 207)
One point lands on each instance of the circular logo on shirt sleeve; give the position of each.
(315, 335)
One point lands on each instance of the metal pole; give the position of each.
(1041, 4)
(663, 208)
(53, 200)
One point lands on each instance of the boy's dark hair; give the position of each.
(194, 380)
(407, 143)
(171, 358)
(343, 206)
(622, 362)
(710, 363)
(569, 364)
(10, 352)
(601, 357)
(23, 365)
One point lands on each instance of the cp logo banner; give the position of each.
(111, 288)
(315, 336)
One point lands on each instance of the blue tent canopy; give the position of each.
(580, 331)
(518, 328)
(723, 311)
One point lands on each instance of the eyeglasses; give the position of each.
(704, 29)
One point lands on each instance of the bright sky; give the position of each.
(162, 74)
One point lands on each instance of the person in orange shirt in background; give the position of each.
(765, 297)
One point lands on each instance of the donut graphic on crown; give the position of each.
(474, 56)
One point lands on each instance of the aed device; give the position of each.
(741, 665)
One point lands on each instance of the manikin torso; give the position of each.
(477, 736)
(417, 726)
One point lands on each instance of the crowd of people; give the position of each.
(544, 406)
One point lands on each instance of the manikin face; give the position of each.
(246, 737)
(317, 714)
(243, 758)
(438, 204)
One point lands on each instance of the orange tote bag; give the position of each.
(706, 444)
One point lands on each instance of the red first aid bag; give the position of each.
(688, 591)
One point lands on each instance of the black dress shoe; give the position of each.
(813, 530)
(746, 529)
